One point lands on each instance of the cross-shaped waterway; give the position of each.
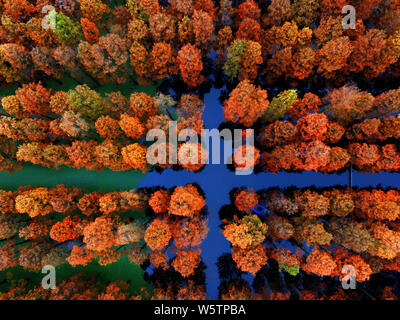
(217, 181)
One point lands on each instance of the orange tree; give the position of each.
(246, 104)
(190, 65)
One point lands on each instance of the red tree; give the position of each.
(190, 65)
(35, 99)
(90, 31)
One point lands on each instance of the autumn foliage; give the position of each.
(246, 104)
(84, 84)
(190, 65)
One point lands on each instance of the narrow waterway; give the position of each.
(217, 181)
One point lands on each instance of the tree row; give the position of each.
(98, 43)
(315, 231)
(52, 226)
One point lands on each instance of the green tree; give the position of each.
(292, 270)
(233, 62)
(68, 31)
(280, 105)
(87, 102)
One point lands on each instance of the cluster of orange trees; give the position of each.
(325, 134)
(342, 226)
(240, 290)
(343, 111)
(77, 287)
(87, 287)
(254, 44)
(53, 129)
(80, 128)
(180, 217)
(37, 224)
(82, 286)
(297, 40)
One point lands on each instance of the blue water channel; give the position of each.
(217, 181)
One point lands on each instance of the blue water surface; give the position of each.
(217, 181)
